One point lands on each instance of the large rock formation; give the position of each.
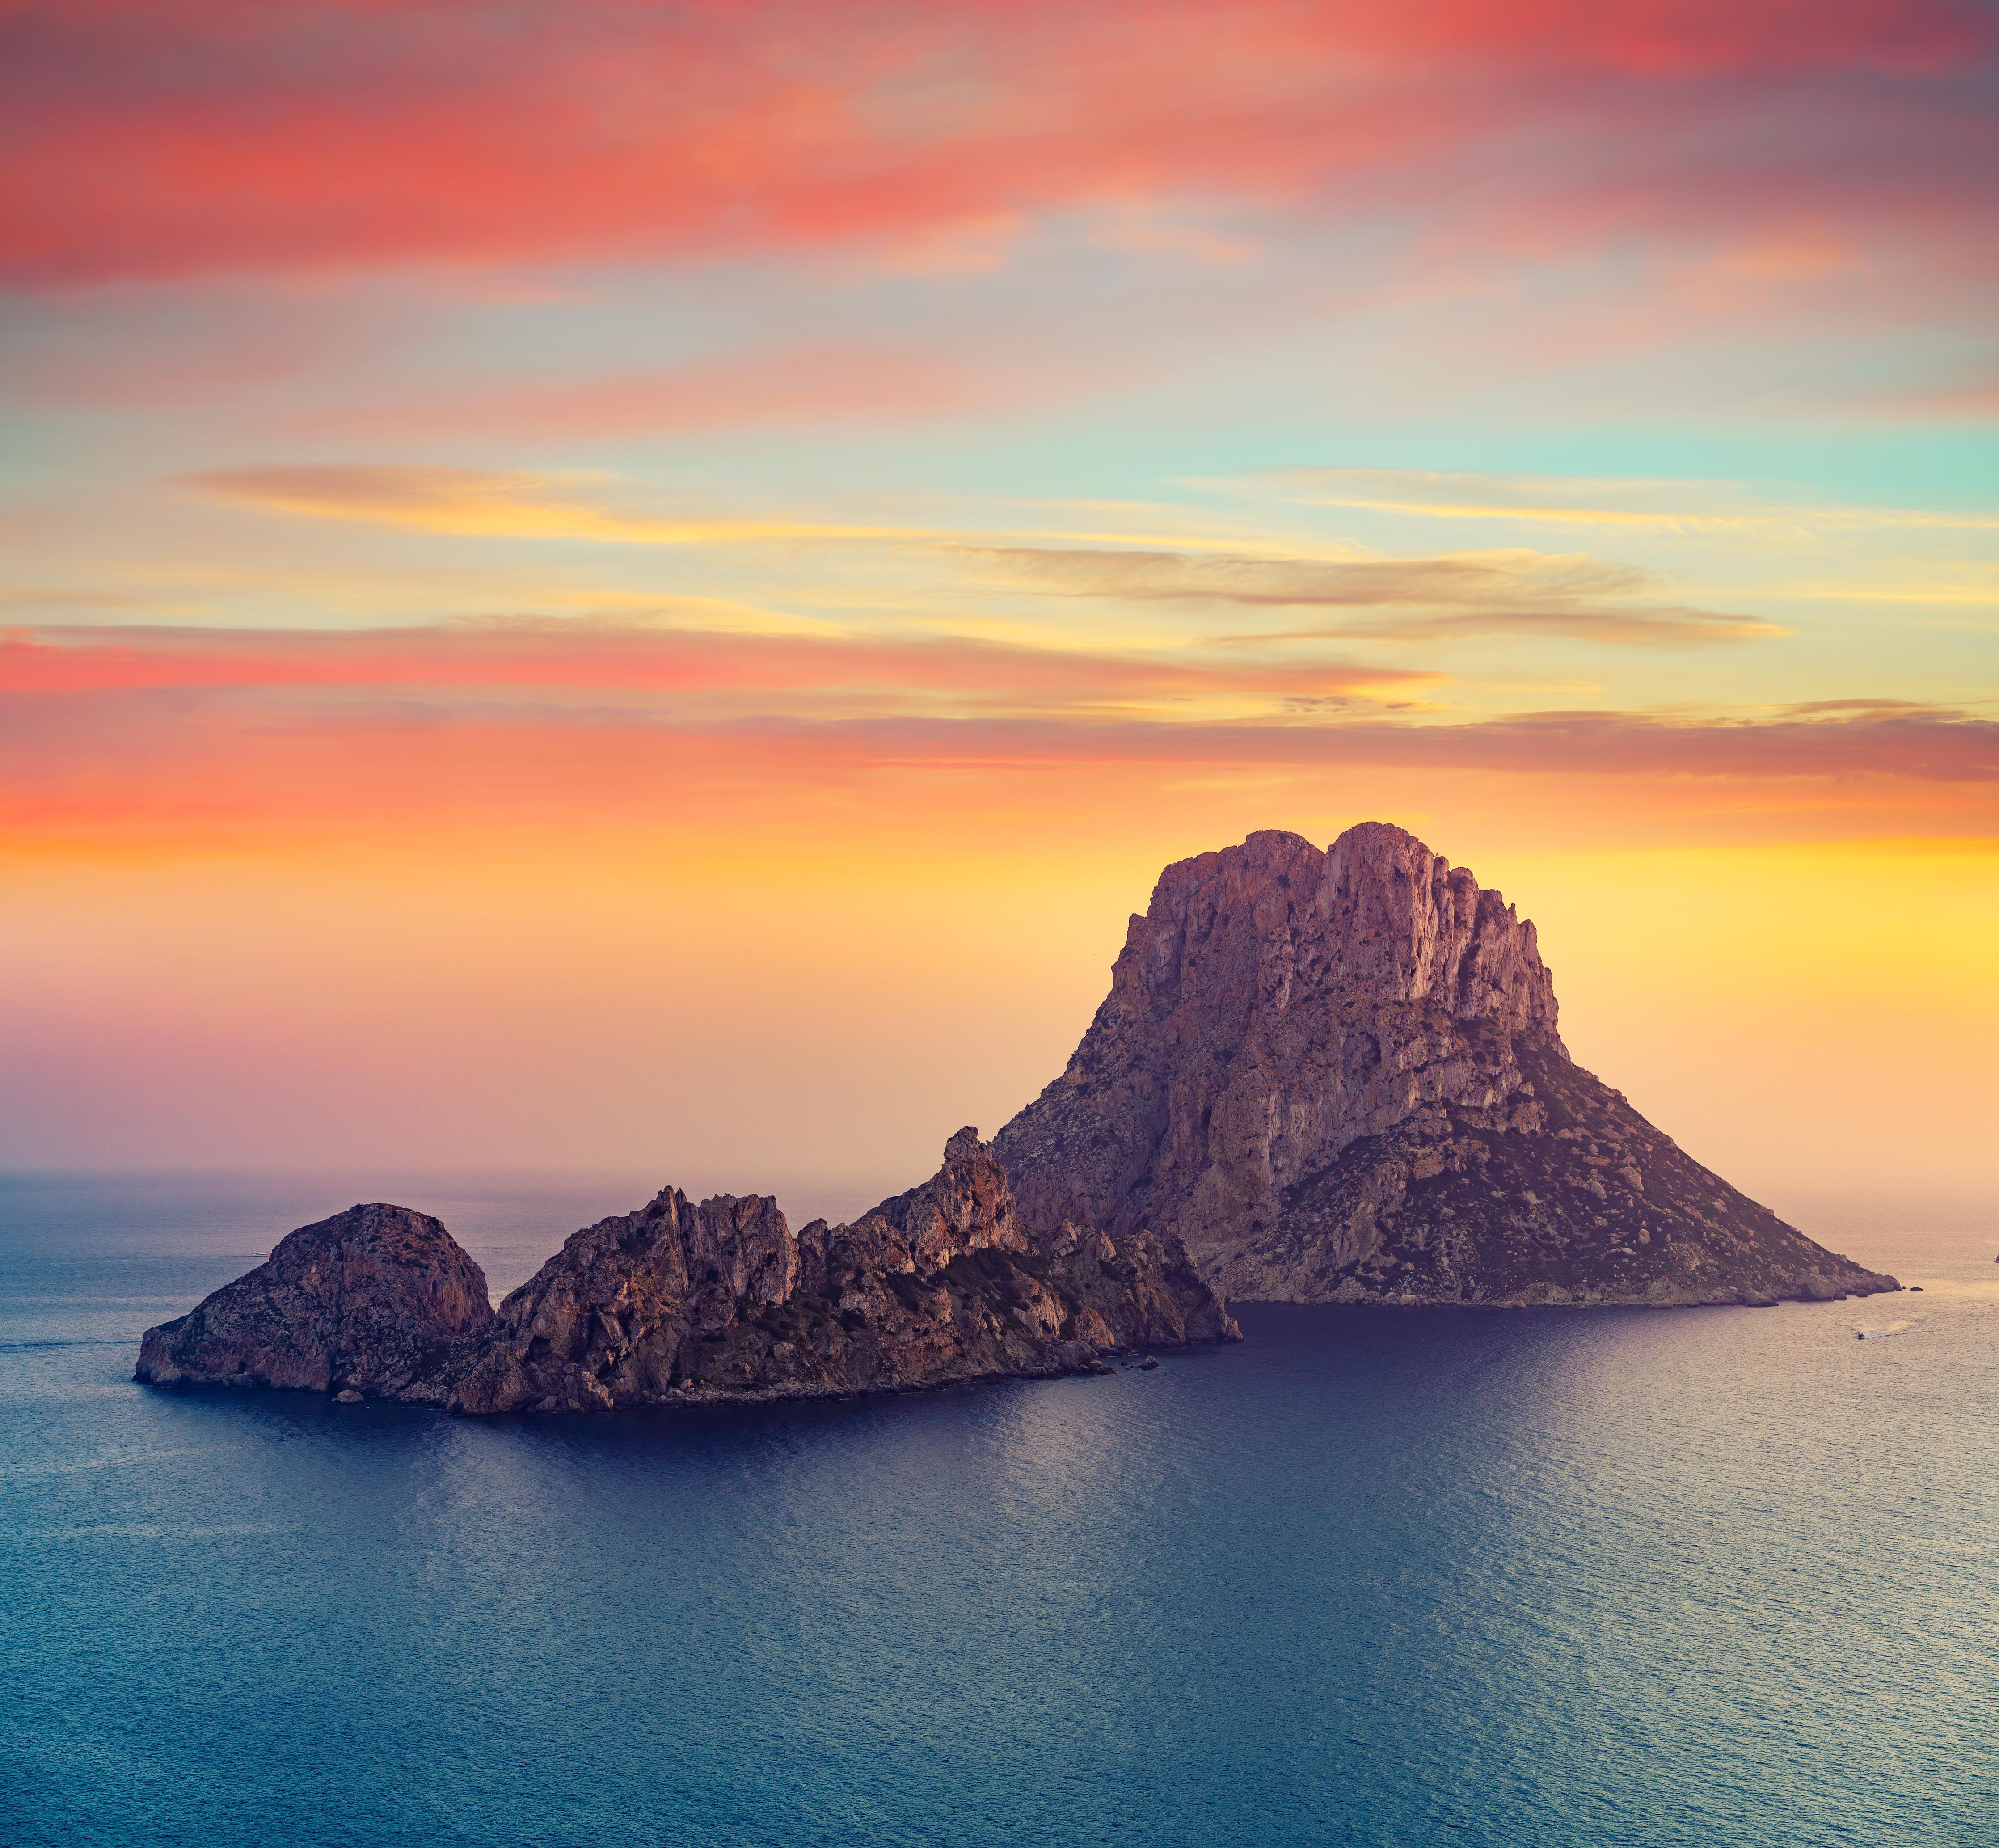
(722, 1301)
(1337, 1076)
(366, 1300)
(679, 1303)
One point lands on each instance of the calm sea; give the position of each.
(1711, 1577)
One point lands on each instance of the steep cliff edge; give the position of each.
(682, 1303)
(1337, 1076)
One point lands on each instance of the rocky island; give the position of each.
(364, 1303)
(681, 1303)
(1336, 1075)
(1319, 1076)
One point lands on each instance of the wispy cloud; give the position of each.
(1645, 505)
(688, 672)
(1976, 399)
(596, 507)
(1475, 592)
(30, 598)
(1511, 593)
(856, 385)
(1557, 501)
(1516, 593)
(493, 504)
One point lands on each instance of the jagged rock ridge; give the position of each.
(1337, 1076)
(683, 1303)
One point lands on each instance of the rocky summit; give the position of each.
(1337, 1076)
(366, 1301)
(682, 1303)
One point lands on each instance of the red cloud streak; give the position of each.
(861, 700)
(158, 741)
(152, 140)
(613, 660)
(162, 773)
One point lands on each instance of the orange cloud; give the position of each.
(1677, 507)
(487, 504)
(818, 677)
(177, 741)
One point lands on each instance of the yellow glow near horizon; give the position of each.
(1790, 1013)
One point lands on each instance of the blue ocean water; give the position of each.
(1710, 1577)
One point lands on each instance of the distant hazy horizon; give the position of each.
(511, 1220)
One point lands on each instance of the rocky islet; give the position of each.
(683, 1303)
(1337, 1075)
(367, 1301)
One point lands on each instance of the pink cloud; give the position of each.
(85, 696)
(818, 677)
(145, 744)
(161, 139)
(851, 384)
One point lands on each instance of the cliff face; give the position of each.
(679, 1303)
(1337, 1076)
(365, 1301)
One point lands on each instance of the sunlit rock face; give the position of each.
(682, 1303)
(1337, 1076)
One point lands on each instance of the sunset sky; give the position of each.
(603, 583)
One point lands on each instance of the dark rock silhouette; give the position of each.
(679, 1304)
(1337, 1076)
